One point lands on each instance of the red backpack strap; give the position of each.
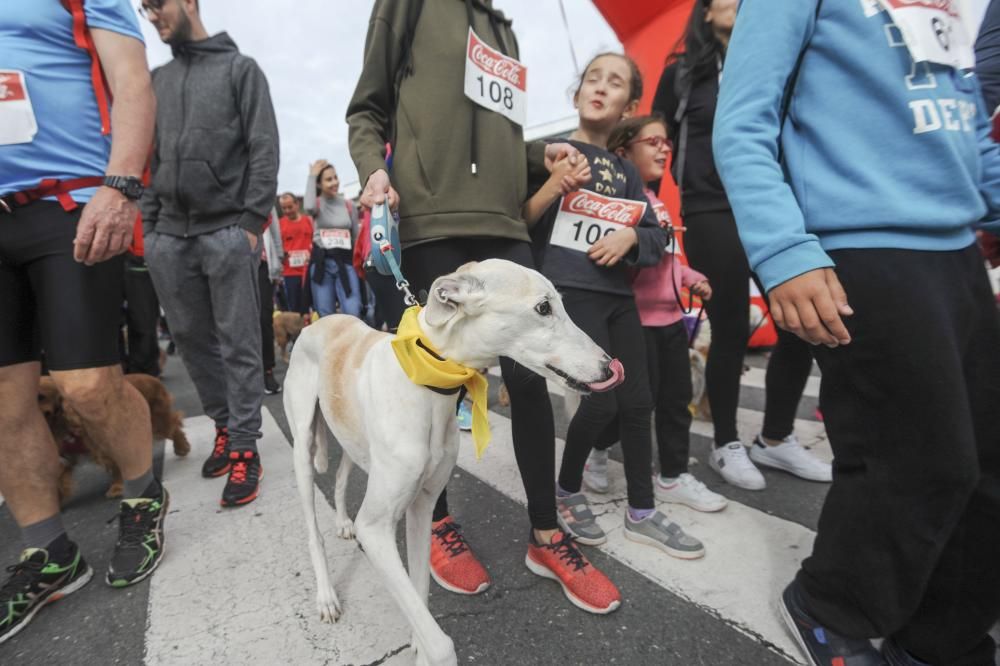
(83, 39)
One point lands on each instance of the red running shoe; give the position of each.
(582, 583)
(453, 565)
(217, 463)
(245, 475)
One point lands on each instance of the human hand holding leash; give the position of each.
(811, 306)
(702, 289)
(378, 189)
(105, 227)
(610, 249)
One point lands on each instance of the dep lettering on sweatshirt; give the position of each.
(878, 151)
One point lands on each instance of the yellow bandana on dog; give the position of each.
(425, 366)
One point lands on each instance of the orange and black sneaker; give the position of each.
(217, 462)
(245, 475)
(581, 582)
(453, 565)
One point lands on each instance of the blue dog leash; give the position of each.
(384, 230)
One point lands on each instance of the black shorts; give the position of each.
(50, 302)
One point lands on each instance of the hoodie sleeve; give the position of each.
(988, 56)
(652, 237)
(989, 155)
(767, 39)
(371, 109)
(261, 131)
(149, 204)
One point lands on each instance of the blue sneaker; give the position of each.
(464, 416)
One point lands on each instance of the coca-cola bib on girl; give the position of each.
(17, 117)
(495, 81)
(331, 239)
(932, 30)
(585, 217)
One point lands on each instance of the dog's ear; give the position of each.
(450, 295)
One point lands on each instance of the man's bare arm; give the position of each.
(106, 225)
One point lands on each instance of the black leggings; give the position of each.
(532, 425)
(713, 246)
(612, 321)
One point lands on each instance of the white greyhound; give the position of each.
(404, 435)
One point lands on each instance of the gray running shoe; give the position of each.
(574, 516)
(669, 537)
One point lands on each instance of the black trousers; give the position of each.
(714, 248)
(295, 291)
(142, 315)
(612, 321)
(908, 543)
(532, 425)
(670, 383)
(266, 316)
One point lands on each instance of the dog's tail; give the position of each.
(301, 400)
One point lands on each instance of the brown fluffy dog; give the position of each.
(287, 326)
(72, 440)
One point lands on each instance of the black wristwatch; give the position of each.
(130, 186)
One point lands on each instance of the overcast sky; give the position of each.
(312, 57)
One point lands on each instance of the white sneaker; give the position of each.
(689, 491)
(791, 457)
(595, 472)
(732, 463)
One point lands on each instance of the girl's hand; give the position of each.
(317, 167)
(577, 177)
(702, 289)
(609, 250)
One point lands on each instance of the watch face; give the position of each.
(133, 189)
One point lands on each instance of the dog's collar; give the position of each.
(425, 366)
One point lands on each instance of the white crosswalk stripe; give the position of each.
(243, 590)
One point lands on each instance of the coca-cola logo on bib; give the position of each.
(619, 211)
(497, 64)
(947, 6)
(10, 88)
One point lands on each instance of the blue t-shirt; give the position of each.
(36, 38)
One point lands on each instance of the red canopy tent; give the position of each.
(649, 30)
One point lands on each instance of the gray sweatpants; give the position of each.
(208, 288)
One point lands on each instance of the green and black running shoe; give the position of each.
(140, 540)
(34, 582)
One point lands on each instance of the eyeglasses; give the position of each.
(657, 142)
(150, 7)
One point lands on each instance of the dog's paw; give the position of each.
(345, 528)
(328, 605)
(114, 490)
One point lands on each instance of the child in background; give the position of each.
(584, 240)
(643, 141)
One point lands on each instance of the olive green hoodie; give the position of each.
(431, 117)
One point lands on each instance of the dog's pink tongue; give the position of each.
(616, 378)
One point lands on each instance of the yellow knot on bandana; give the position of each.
(425, 366)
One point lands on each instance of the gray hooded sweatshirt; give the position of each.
(215, 158)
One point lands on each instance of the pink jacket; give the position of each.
(654, 296)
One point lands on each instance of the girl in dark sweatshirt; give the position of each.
(584, 241)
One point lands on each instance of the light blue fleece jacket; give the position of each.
(879, 152)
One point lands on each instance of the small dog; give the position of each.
(287, 327)
(404, 435)
(72, 440)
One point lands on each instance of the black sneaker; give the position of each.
(35, 582)
(271, 385)
(244, 478)
(820, 645)
(217, 462)
(140, 540)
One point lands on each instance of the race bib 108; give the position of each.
(495, 81)
(933, 31)
(585, 217)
